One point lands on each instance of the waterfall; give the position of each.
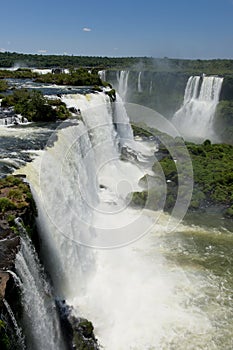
(151, 87)
(18, 330)
(194, 119)
(191, 90)
(81, 186)
(139, 82)
(122, 78)
(102, 75)
(121, 121)
(41, 322)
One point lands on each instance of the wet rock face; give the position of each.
(78, 331)
(83, 336)
(9, 246)
(15, 201)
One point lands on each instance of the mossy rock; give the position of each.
(5, 342)
(112, 94)
(6, 204)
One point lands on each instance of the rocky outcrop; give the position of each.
(4, 277)
(9, 246)
(78, 331)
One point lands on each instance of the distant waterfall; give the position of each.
(41, 322)
(122, 78)
(121, 121)
(139, 82)
(151, 87)
(102, 75)
(194, 119)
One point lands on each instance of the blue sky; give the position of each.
(172, 28)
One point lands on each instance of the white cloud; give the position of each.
(2, 49)
(42, 51)
(85, 29)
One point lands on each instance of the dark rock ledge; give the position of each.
(79, 332)
(15, 201)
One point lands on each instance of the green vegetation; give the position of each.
(14, 195)
(216, 66)
(141, 130)
(3, 85)
(76, 77)
(6, 205)
(212, 172)
(139, 198)
(5, 343)
(112, 94)
(18, 74)
(35, 107)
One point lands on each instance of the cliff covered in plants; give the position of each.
(212, 176)
(15, 202)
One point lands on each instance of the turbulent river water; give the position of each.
(142, 286)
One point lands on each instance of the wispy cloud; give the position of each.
(42, 51)
(2, 49)
(86, 29)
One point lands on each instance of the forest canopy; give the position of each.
(215, 66)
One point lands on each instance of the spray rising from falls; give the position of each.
(41, 323)
(194, 119)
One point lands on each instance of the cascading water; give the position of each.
(151, 87)
(135, 298)
(122, 79)
(102, 75)
(41, 322)
(121, 119)
(18, 330)
(139, 82)
(194, 119)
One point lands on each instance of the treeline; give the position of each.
(79, 77)
(215, 66)
(8, 59)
